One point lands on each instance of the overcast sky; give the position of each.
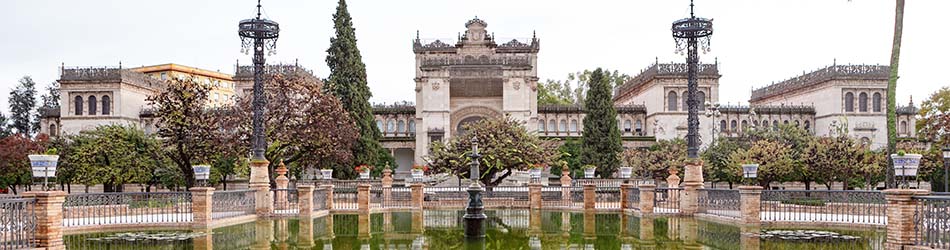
(756, 41)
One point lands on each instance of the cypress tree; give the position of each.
(347, 82)
(23, 107)
(601, 139)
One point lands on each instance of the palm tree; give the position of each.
(891, 92)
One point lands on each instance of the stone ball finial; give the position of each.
(281, 168)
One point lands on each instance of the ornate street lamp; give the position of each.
(712, 111)
(474, 216)
(692, 34)
(905, 165)
(946, 166)
(258, 34)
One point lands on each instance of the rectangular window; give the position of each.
(164, 76)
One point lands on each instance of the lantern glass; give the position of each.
(906, 165)
(750, 171)
(946, 152)
(202, 172)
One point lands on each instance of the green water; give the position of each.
(507, 229)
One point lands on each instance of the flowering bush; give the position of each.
(536, 166)
(424, 168)
(362, 168)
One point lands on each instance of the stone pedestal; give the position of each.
(282, 182)
(647, 198)
(590, 196)
(750, 203)
(362, 197)
(900, 216)
(565, 186)
(624, 195)
(260, 183)
(201, 205)
(329, 200)
(387, 182)
(418, 222)
(305, 202)
(692, 182)
(49, 218)
(259, 172)
(417, 195)
(534, 195)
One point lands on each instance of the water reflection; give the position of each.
(507, 229)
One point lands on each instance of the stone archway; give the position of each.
(469, 115)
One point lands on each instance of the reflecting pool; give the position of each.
(507, 229)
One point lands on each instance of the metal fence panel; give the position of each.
(932, 222)
(17, 223)
(232, 203)
(667, 200)
(126, 208)
(285, 201)
(835, 206)
(722, 202)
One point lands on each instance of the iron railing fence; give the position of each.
(607, 198)
(93, 209)
(396, 197)
(320, 199)
(232, 203)
(577, 197)
(722, 202)
(932, 222)
(633, 198)
(599, 182)
(830, 206)
(445, 197)
(556, 197)
(667, 200)
(508, 197)
(285, 201)
(345, 199)
(347, 184)
(17, 223)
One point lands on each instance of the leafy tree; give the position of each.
(797, 139)
(837, 159)
(23, 107)
(226, 166)
(113, 155)
(51, 98)
(717, 167)
(656, 161)
(570, 154)
(601, 139)
(775, 163)
(934, 121)
(504, 144)
(14, 163)
(931, 164)
(555, 93)
(188, 130)
(892, 90)
(4, 126)
(563, 92)
(306, 128)
(347, 82)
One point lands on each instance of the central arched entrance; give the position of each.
(468, 120)
(470, 114)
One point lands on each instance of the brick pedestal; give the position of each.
(260, 183)
(900, 216)
(590, 196)
(362, 197)
(417, 195)
(201, 205)
(305, 202)
(647, 197)
(624, 189)
(534, 195)
(49, 218)
(689, 198)
(750, 203)
(329, 200)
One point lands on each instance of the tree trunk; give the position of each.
(807, 185)
(891, 92)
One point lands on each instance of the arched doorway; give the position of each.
(466, 121)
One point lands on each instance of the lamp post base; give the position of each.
(474, 217)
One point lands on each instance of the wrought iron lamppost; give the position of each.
(474, 216)
(258, 34)
(712, 111)
(692, 34)
(946, 166)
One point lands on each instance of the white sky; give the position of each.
(756, 41)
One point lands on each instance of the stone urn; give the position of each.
(590, 172)
(417, 173)
(535, 173)
(43, 166)
(906, 165)
(364, 174)
(626, 172)
(327, 173)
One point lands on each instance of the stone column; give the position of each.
(624, 195)
(647, 237)
(387, 185)
(49, 218)
(305, 202)
(534, 195)
(565, 185)
(282, 181)
(417, 195)
(900, 216)
(201, 201)
(647, 197)
(692, 182)
(590, 196)
(750, 203)
(260, 183)
(362, 197)
(673, 181)
(329, 200)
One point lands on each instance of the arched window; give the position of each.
(849, 102)
(775, 124)
(573, 125)
(765, 123)
(77, 104)
(563, 126)
(412, 126)
(627, 126)
(863, 102)
(745, 125)
(722, 126)
(379, 124)
(671, 101)
(401, 126)
(106, 105)
(92, 105)
(903, 127)
(865, 142)
(639, 127)
(807, 125)
(552, 126)
(876, 101)
(390, 126)
(541, 126)
(685, 98)
(755, 123)
(797, 123)
(734, 125)
(52, 129)
(785, 122)
(701, 99)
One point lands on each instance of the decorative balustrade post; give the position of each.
(305, 202)
(534, 195)
(282, 181)
(260, 183)
(565, 185)
(329, 188)
(673, 181)
(387, 185)
(624, 195)
(900, 216)
(362, 197)
(750, 203)
(647, 197)
(417, 195)
(201, 205)
(590, 196)
(49, 218)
